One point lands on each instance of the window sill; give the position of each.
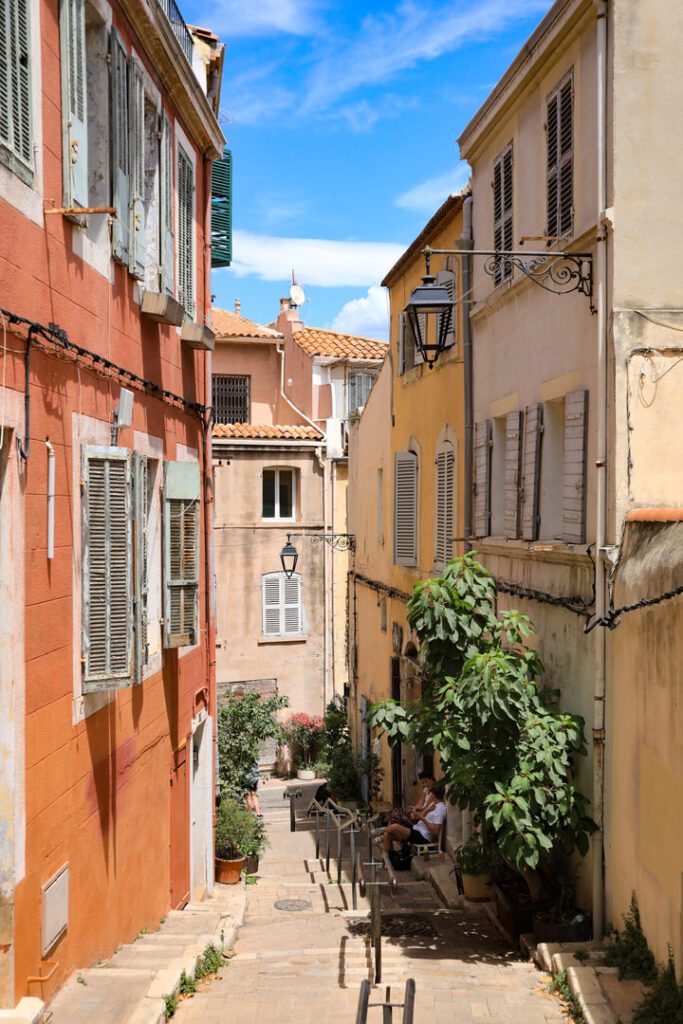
(539, 549)
(300, 638)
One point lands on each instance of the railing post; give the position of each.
(340, 852)
(317, 832)
(327, 852)
(409, 1002)
(363, 1001)
(292, 794)
(352, 841)
(387, 1009)
(376, 927)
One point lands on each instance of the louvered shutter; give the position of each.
(560, 159)
(482, 478)
(107, 596)
(166, 191)
(136, 155)
(291, 605)
(272, 604)
(445, 460)
(405, 508)
(575, 459)
(502, 212)
(119, 147)
(74, 103)
(353, 392)
(181, 554)
(15, 85)
(140, 570)
(221, 210)
(401, 343)
(531, 480)
(446, 278)
(424, 327)
(185, 188)
(513, 466)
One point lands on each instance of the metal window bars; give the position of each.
(231, 398)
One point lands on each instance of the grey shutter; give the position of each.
(446, 278)
(272, 604)
(15, 85)
(424, 327)
(574, 477)
(533, 434)
(74, 103)
(291, 605)
(401, 343)
(482, 478)
(444, 505)
(353, 392)
(502, 212)
(185, 188)
(181, 554)
(560, 158)
(141, 588)
(405, 508)
(166, 213)
(136, 157)
(107, 595)
(119, 147)
(513, 466)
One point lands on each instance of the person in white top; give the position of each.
(427, 825)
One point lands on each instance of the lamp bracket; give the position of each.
(338, 541)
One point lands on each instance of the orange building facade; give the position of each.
(107, 639)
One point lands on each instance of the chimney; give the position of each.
(238, 307)
(288, 315)
(285, 304)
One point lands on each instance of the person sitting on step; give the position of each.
(427, 826)
(406, 815)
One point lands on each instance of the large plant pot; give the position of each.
(516, 910)
(305, 774)
(546, 929)
(476, 887)
(229, 872)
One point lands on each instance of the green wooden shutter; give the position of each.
(185, 189)
(181, 554)
(140, 572)
(221, 211)
(119, 147)
(136, 168)
(405, 508)
(167, 283)
(16, 146)
(74, 103)
(107, 595)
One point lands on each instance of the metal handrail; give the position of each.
(408, 1004)
(180, 29)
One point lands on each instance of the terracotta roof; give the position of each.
(253, 432)
(318, 342)
(452, 205)
(231, 325)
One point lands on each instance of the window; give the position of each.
(359, 385)
(513, 473)
(409, 354)
(278, 494)
(181, 554)
(560, 158)
(405, 508)
(74, 102)
(166, 207)
(574, 467)
(552, 459)
(498, 477)
(136, 150)
(445, 504)
(119, 142)
(531, 472)
(231, 398)
(185, 187)
(502, 212)
(282, 612)
(16, 143)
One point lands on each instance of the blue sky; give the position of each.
(342, 118)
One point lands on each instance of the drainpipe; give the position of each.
(50, 499)
(333, 491)
(283, 393)
(324, 465)
(600, 634)
(466, 242)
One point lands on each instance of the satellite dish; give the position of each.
(296, 294)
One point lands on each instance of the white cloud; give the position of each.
(233, 18)
(364, 115)
(320, 262)
(367, 316)
(428, 196)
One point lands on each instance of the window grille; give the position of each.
(231, 398)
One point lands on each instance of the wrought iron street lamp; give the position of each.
(429, 313)
(289, 556)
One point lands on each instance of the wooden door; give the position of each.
(180, 828)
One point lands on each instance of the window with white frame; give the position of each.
(185, 191)
(279, 494)
(16, 142)
(359, 387)
(560, 158)
(502, 212)
(282, 609)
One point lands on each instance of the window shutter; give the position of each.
(574, 483)
(405, 508)
(119, 147)
(185, 188)
(221, 210)
(107, 569)
(272, 617)
(353, 392)
(513, 458)
(401, 343)
(560, 158)
(533, 433)
(136, 153)
(140, 520)
(424, 324)
(446, 278)
(291, 604)
(482, 478)
(15, 84)
(502, 212)
(444, 505)
(181, 554)
(166, 188)
(74, 103)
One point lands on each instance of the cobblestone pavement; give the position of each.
(306, 967)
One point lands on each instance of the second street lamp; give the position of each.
(289, 556)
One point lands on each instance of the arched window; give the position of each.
(445, 504)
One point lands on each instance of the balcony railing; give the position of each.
(182, 32)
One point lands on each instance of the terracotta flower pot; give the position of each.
(229, 872)
(477, 887)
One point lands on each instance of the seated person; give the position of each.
(406, 815)
(427, 825)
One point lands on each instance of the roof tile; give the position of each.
(228, 325)
(254, 432)
(318, 342)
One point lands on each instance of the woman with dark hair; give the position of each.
(427, 825)
(406, 815)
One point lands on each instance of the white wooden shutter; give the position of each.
(185, 189)
(181, 554)
(119, 148)
(446, 279)
(482, 478)
(574, 482)
(74, 103)
(107, 596)
(405, 508)
(291, 605)
(136, 164)
(560, 158)
(445, 519)
(513, 465)
(272, 604)
(531, 479)
(502, 212)
(15, 85)
(167, 260)
(140, 571)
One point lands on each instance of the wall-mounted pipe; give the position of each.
(50, 499)
(466, 242)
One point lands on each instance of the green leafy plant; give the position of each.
(582, 955)
(506, 754)
(238, 832)
(210, 962)
(170, 1005)
(663, 1004)
(244, 724)
(188, 986)
(560, 987)
(474, 858)
(630, 952)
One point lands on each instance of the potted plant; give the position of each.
(239, 834)
(563, 921)
(245, 722)
(474, 862)
(303, 734)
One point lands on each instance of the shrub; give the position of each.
(238, 832)
(304, 735)
(663, 1004)
(474, 858)
(209, 962)
(188, 985)
(630, 952)
(244, 724)
(170, 1005)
